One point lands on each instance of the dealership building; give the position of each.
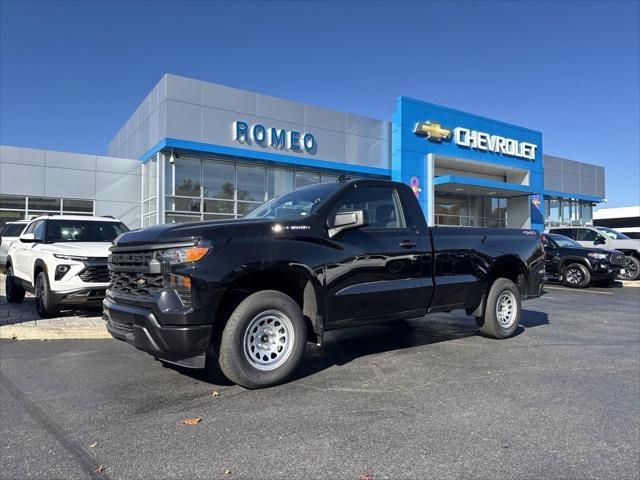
(195, 150)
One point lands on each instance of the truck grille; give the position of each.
(617, 259)
(95, 274)
(139, 284)
(129, 273)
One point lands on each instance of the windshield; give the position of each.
(13, 230)
(614, 234)
(83, 231)
(295, 205)
(563, 241)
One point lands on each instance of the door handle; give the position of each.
(407, 244)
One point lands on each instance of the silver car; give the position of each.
(10, 232)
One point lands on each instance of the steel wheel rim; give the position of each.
(630, 269)
(268, 340)
(506, 309)
(574, 276)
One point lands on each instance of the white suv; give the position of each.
(8, 235)
(63, 260)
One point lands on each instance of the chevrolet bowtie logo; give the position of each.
(432, 130)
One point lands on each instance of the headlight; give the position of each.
(183, 254)
(76, 258)
(598, 256)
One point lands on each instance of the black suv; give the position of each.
(577, 266)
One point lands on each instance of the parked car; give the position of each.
(577, 266)
(10, 232)
(63, 260)
(608, 239)
(251, 292)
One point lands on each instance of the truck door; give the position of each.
(375, 270)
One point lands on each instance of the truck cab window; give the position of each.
(381, 203)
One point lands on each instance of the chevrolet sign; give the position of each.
(466, 138)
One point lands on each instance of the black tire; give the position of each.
(575, 275)
(13, 288)
(632, 269)
(279, 315)
(45, 304)
(489, 324)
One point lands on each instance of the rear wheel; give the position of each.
(575, 275)
(502, 310)
(631, 269)
(45, 304)
(13, 288)
(263, 341)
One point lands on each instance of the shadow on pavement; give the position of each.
(343, 346)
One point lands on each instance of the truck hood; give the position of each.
(184, 232)
(82, 249)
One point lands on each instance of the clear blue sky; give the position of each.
(72, 72)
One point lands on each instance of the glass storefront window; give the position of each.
(279, 181)
(177, 218)
(246, 207)
(44, 204)
(74, 205)
(586, 213)
(306, 178)
(218, 206)
(251, 183)
(188, 176)
(219, 179)
(466, 210)
(183, 204)
(8, 201)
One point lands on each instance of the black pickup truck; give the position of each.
(251, 292)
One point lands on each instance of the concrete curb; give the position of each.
(630, 283)
(21, 332)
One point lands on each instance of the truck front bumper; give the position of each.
(159, 325)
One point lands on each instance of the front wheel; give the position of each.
(45, 304)
(631, 269)
(502, 310)
(576, 275)
(263, 341)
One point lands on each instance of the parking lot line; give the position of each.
(577, 290)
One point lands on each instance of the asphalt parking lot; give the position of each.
(427, 398)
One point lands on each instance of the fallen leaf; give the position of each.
(366, 476)
(215, 394)
(93, 445)
(227, 471)
(13, 337)
(100, 470)
(191, 421)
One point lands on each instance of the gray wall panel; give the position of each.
(162, 120)
(22, 156)
(184, 121)
(228, 98)
(117, 187)
(549, 161)
(153, 130)
(570, 166)
(65, 182)
(552, 180)
(600, 187)
(21, 179)
(588, 170)
(570, 183)
(367, 127)
(183, 89)
(70, 160)
(118, 165)
(324, 118)
(128, 212)
(279, 109)
(367, 151)
(588, 185)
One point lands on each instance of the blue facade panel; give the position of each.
(409, 150)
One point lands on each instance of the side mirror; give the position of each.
(27, 238)
(347, 221)
(599, 241)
